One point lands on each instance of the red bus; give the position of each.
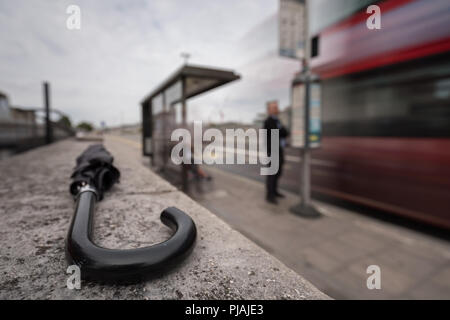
(386, 105)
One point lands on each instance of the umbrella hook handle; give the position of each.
(97, 263)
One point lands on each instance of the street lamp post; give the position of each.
(48, 124)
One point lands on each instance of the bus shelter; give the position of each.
(164, 110)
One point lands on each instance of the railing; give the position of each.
(19, 136)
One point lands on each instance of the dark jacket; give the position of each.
(270, 124)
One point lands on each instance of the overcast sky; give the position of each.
(125, 48)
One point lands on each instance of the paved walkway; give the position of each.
(334, 251)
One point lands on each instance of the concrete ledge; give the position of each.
(36, 209)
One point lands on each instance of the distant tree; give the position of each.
(86, 126)
(65, 121)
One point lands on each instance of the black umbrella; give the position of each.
(93, 175)
(94, 167)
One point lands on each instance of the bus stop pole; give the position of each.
(305, 208)
(306, 159)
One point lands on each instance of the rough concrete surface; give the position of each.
(36, 208)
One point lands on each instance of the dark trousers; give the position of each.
(272, 181)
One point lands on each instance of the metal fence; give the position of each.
(17, 136)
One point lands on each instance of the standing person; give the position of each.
(272, 122)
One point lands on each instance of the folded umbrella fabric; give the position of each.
(94, 167)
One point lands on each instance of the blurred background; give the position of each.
(380, 168)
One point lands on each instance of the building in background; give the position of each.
(24, 128)
(9, 113)
(258, 122)
(23, 116)
(4, 108)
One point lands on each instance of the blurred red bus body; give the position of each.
(386, 109)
